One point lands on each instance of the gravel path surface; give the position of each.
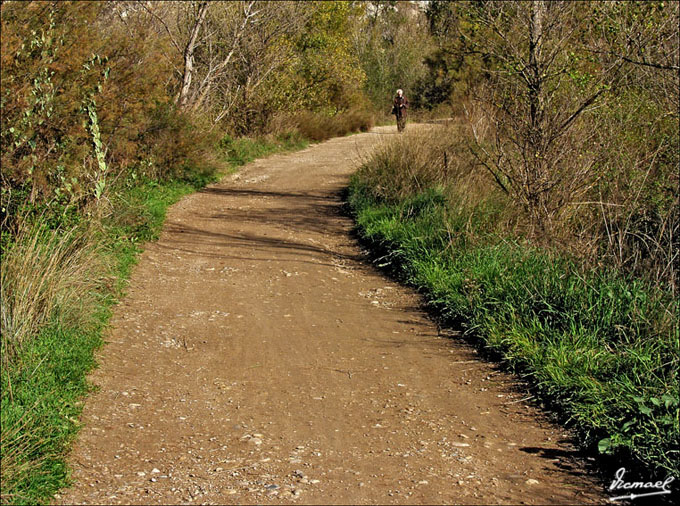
(258, 358)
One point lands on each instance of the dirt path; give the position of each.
(257, 358)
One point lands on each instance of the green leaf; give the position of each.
(669, 400)
(645, 410)
(604, 445)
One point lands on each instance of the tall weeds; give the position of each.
(418, 159)
(46, 275)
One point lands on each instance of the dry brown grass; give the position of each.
(437, 156)
(319, 127)
(423, 157)
(46, 275)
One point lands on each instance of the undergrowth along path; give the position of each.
(258, 358)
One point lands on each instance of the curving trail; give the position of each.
(258, 359)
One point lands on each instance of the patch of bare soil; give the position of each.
(258, 358)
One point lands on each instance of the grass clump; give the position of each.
(598, 345)
(45, 274)
(51, 318)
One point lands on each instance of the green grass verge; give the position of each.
(43, 388)
(40, 405)
(602, 350)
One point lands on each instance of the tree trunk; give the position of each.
(535, 44)
(189, 55)
(534, 148)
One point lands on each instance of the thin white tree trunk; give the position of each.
(189, 55)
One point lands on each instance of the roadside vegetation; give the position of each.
(544, 219)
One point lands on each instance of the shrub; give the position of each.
(176, 146)
(319, 126)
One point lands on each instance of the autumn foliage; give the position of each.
(99, 94)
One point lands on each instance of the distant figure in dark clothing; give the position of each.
(399, 107)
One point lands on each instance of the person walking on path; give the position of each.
(399, 107)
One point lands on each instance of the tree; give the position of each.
(541, 83)
(574, 115)
(392, 44)
(329, 76)
(454, 66)
(188, 52)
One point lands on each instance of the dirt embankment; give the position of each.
(257, 358)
